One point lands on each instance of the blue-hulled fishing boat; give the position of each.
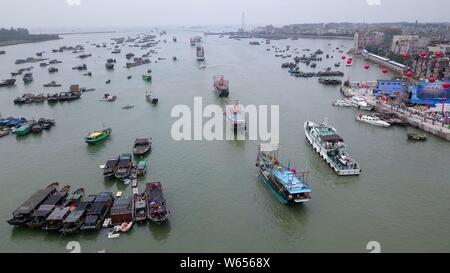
(287, 184)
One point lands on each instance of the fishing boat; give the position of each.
(76, 219)
(157, 211)
(150, 98)
(100, 208)
(52, 98)
(36, 128)
(124, 166)
(285, 183)
(7, 82)
(122, 210)
(235, 115)
(25, 211)
(416, 137)
(52, 84)
(140, 207)
(74, 197)
(142, 146)
(147, 77)
(63, 96)
(44, 210)
(109, 66)
(27, 78)
(331, 148)
(108, 98)
(97, 136)
(221, 86)
(327, 81)
(25, 129)
(4, 132)
(54, 221)
(141, 168)
(373, 120)
(128, 106)
(200, 51)
(52, 70)
(110, 168)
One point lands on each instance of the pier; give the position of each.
(435, 128)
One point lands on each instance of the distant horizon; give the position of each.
(136, 13)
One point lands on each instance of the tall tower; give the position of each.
(242, 29)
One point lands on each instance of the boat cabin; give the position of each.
(122, 211)
(54, 222)
(98, 211)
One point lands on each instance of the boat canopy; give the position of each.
(142, 141)
(44, 210)
(142, 164)
(95, 134)
(34, 201)
(58, 214)
(122, 206)
(74, 216)
(54, 199)
(291, 181)
(331, 138)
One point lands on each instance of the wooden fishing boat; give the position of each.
(100, 208)
(73, 198)
(110, 168)
(44, 210)
(141, 168)
(140, 207)
(157, 211)
(77, 217)
(24, 129)
(97, 136)
(142, 146)
(124, 166)
(147, 77)
(122, 210)
(54, 221)
(25, 211)
(417, 137)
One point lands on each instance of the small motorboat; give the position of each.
(109, 98)
(417, 137)
(128, 106)
(110, 168)
(108, 81)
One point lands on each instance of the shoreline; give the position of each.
(18, 42)
(277, 36)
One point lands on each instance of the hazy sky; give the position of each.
(103, 13)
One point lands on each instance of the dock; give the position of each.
(435, 128)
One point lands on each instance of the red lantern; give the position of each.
(366, 67)
(343, 57)
(446, 85)
(431, 79)
(385, 71)
(409, 74)
(349, 61)
(423, 54)
(406, 56)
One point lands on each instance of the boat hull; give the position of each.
(323, 154)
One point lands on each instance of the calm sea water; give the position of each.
(217, 202)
